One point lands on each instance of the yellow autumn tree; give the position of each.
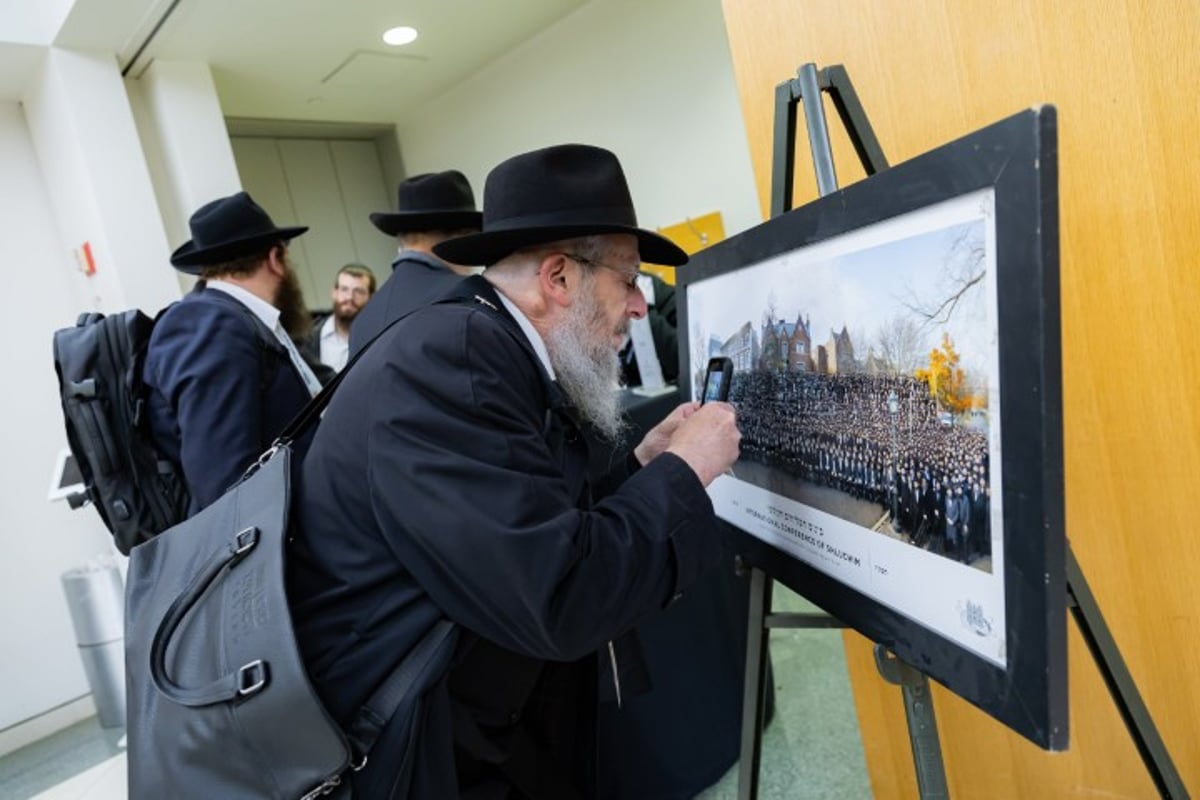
(945, 379)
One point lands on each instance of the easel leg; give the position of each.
(754, 696)
(922, 725)
(1117, 677)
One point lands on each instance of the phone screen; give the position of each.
(716, 380)
(713, 384)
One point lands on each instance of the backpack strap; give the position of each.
(271, 348)
(309, 415)
(272, 351)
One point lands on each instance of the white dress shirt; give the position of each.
(535, 338)
(335, 348)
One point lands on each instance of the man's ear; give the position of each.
(276, 261)
(558, 278)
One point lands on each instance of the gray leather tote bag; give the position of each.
(219, 704)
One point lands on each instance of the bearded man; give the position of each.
(449, 481)
(223, 372)
(329, 341)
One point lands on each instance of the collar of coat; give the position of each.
(478, 291)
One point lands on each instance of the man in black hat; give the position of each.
(224, 374)
(433, 207)
(449, 480)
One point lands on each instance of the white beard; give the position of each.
(587, 366)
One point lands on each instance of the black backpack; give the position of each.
(138, 491)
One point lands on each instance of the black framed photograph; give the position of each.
(896, 372)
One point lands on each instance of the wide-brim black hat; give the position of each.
(435, 201)
(228, 228)
(556, 193)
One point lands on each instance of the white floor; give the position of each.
(105, 781)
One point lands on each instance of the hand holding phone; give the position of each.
(717, 378)
(708, 441)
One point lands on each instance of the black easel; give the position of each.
(918, 705)
(1107, 656)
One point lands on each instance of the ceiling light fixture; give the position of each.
(399, 36)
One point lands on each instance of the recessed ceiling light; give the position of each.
(399, 36)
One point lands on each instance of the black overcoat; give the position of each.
(448, 480)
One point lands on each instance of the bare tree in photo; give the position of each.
(769, 317)
(963, 271)
(899, 345)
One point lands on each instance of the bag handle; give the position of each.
(248, 679)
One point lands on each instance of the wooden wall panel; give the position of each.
(1123, 75)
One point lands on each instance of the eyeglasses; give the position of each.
(630, 278)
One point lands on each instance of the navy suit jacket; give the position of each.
(222, 387)
(448, 480)
(416, 279)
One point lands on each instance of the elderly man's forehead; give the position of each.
(622, 246)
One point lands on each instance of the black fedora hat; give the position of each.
(225, 229)
(556, 193)
(429, 202)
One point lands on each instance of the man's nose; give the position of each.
(637, 305)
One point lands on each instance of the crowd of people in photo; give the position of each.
(843, 431)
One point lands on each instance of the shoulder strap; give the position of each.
(374, 715)
(384, 701)
(308, 415)
(271, 348)
(465, 292)
(262, 333)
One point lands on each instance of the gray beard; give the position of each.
(587, 368)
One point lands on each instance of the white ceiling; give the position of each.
(325, 59)
(321, 60)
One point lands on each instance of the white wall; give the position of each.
(650, 80)
(186, 147)
(39, 540)
(99, 186)
(179, 120)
